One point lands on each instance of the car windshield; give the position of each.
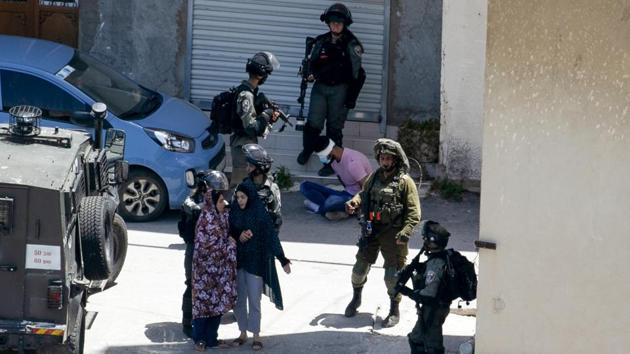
(123, 97)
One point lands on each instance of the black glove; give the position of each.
(405, 290)
(268, 115)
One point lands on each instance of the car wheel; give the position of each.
(120, 246)
(97, 245)
(143, 196)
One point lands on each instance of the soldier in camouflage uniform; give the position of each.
(253, 120)
(389, 208)
(426, 337)
(258, 166)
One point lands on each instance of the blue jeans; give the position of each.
(207, 330)
(327, 199)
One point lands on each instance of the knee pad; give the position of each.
(391, 274)
(359, 272)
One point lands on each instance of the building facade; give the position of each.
(556, 155)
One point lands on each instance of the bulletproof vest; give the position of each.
(434, 263)
(333, 66)
(237, 124)
(386, 202)
(417, 279)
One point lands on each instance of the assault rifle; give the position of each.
(407, 272)
(266, 103)
(304, 72)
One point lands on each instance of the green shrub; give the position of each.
(283, 177)
(449, 190)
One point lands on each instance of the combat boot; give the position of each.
(394, 314)
(354, 304)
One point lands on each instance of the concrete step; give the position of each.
(293, 142)
(288, 159)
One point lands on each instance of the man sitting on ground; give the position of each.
(350, 166)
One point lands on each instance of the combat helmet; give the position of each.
(391, 147)
(258, 156)
(262, 64)
(337, 11)
(214, 180)
(434, 235)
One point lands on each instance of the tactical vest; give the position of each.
(386, 203)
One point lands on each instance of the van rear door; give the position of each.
(13, 234)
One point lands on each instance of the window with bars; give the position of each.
(60, 3)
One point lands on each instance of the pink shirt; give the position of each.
(353, 167)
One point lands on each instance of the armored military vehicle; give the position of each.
(60, 236)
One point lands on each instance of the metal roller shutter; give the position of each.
(225, 33)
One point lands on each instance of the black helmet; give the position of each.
(214, 180)
(433, 232)
(338, 10)
(257, 156)
(262, 64)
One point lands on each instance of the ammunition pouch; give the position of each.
(389, 214)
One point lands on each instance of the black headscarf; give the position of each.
(257, 255)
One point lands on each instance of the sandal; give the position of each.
(257, 345)
(200, 346)
(221, 344)
(238, 342)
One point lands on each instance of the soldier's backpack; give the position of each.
(460, 277)
(223, 111)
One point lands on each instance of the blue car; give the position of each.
(165, 135)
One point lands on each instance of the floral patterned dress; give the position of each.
(214, 266)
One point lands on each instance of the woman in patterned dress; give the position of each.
(214, 265)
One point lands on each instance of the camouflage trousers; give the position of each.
(395, 256)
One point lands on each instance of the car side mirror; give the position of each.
(115, 142)
(190, 178)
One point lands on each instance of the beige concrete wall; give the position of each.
(463, 63)
(556, 186)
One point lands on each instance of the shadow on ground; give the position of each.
(339, 321)
(324, 342)
(165, 332)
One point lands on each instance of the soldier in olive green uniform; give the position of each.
(389, 210)
(426, 337)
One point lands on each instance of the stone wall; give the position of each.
(143, 39)
(414, 60)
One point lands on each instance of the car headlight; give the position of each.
(171, 141)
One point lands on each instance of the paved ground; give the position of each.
(141, 313)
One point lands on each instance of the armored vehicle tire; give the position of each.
(120, 246)
(143, 196)
(95, 225)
